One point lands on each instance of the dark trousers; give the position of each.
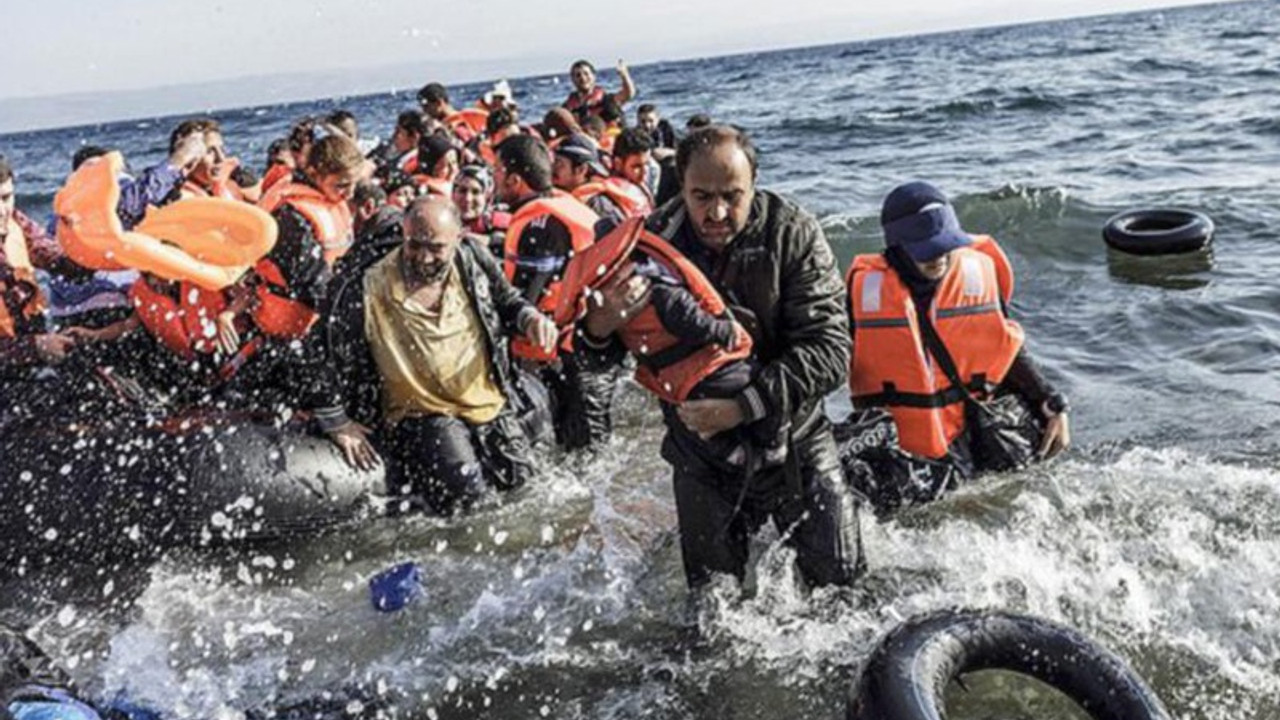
(449, 463)
(719, 508)
(582, 400)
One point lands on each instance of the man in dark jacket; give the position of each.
(771, 262)
(417, 346)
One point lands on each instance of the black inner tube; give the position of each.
(1157, 224)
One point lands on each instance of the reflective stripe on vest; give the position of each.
(890, 366)
(580, 221)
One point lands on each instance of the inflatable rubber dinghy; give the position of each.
(907, 674)
(210, 242)
(133, 490)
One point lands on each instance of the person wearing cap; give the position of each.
(937, 291)
(577, 168)
(465, 124)
(499, 97)
(770, 261)
(587, 98)
(501, 124)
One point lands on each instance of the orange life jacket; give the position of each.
(665, 366)
(23, 275)
(184, 324)
(331, 223)
(891, 366)
(590, 105)
(467, 123)
(276, 174)
(633, 200)
(579, 219)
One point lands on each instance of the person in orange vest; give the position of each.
(932, 336)
(587, 98)
(214, 175)
(547, 227)
(24, 339)
(685, 341)
(579, 170)
(402, 151)
(633, 165)
(500, 125)
(465, 124)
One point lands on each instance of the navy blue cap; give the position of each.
(918, 218)
(583, 149)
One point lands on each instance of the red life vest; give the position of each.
(633, 200)
(21, 300)
(275, 174)
(408, 162)
(467, 123)
(665, 365)
(579, 219)
(891, 366)
(588, 105)
(331, 224)
(185, 323)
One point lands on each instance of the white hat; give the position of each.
(502, 88)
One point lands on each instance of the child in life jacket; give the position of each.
(686, 343)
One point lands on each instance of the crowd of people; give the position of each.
(478, 285)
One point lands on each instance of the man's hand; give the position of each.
(189, 151)
(616, 301)
(52, 348)
(353, 440)
(1057, 435)
(710, 417)
(228, 339)
(542, 332)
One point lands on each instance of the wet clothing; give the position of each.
(663, 136)
(375, 237)
(778, 277)
(342, 382)
(31, 685)
(432, 362)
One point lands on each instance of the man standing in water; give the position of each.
(771, 262)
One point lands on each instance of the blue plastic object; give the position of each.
(394, 588)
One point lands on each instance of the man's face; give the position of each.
(431, 241)
(211, 164)
(565, 175)
(634, 168)
(7, 195)
(648, 121)
(403, 140)
(435, 109)
(583, 78)
(718, 189)
(468, 195)
(338, 187)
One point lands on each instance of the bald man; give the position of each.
(417, 350)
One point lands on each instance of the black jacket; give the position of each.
(341, 379)
(779, 277)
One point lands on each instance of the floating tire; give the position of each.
(1158, 232)
(907, 674)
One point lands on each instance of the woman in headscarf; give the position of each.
(473, 194)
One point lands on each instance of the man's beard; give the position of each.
(420, 275)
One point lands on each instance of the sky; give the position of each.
(78, 46)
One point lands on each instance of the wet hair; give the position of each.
(6, 170)
(631, 141)
(302, 134)
(186, 128)
(85, 154)
(646, 108)
(610, 110)
(700, 120)
(343, 120)
(412, 121)
(431, 148)
(704, 140)
(583, 63)
(433, 92)
(529, 158)
(334, 154)
(498, 120)
(367, 190)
